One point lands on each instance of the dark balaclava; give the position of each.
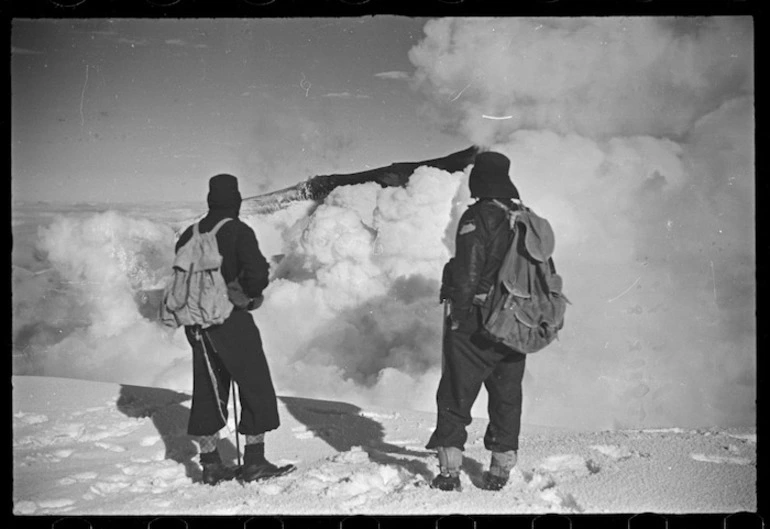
(489, 177)
(223, 194)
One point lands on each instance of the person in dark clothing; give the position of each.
(232, 350)
(470, 360)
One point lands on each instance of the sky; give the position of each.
(147, 110)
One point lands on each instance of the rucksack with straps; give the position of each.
(525, 310)
(197, 293)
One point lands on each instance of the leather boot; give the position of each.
(500, 470)
(214, 471)
(256, 467)
(449, 460)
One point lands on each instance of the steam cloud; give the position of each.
(353, 310)
(634, 137)
(596, 77)
(80, 318)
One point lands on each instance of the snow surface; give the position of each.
(82, 447)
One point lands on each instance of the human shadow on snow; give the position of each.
(342, 426)
(170, 418)
(474, 470)
(339, 424)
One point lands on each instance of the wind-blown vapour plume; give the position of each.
(318, 187)
(596, 77)
(634, 137)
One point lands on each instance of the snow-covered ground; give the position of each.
(101, 448)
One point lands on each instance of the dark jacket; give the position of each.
(482, 241)
(241, 256)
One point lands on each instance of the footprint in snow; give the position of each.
(58, 433)
(85, 476)
(708, 458)
(561, 499)
(663, 430)
(54, 457)
(561, 467)
(271, 489)
(748, 437)
(24, 507)
(103, 487)
(533, 480)
(110, 447)
(353, 478)
(617, 453)
(57, 503)
(119, 429)
(88, 410)
(29, 418)
(149, 440)
(568, 463)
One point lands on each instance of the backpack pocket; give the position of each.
(526, 325)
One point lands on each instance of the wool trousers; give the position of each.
(227, 352)
(470, 361)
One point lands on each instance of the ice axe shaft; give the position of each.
(235, 418)
(447, 312)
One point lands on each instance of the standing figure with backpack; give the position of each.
(471, 355)
(219, 276)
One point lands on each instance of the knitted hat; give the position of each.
(223, 192)
(489, 177)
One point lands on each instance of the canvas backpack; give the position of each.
(525, 310)
(197, 293)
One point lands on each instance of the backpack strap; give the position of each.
(197, 231)
(512, 215)
(219, 225)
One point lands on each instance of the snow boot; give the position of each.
(214, 471)
(256, 467)
(449, 460)
(499, 470)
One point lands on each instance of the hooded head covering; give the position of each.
(489, 177)
(223, 193)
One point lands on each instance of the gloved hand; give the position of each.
(239, 298)
(463, 319)
(445, 293)
(446, 282)
(480, 299)
(255, 303)
(236, 295)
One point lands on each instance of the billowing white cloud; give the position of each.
(634, 136)
(592, 76)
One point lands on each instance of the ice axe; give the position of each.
(235, 418)
(447, 311)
